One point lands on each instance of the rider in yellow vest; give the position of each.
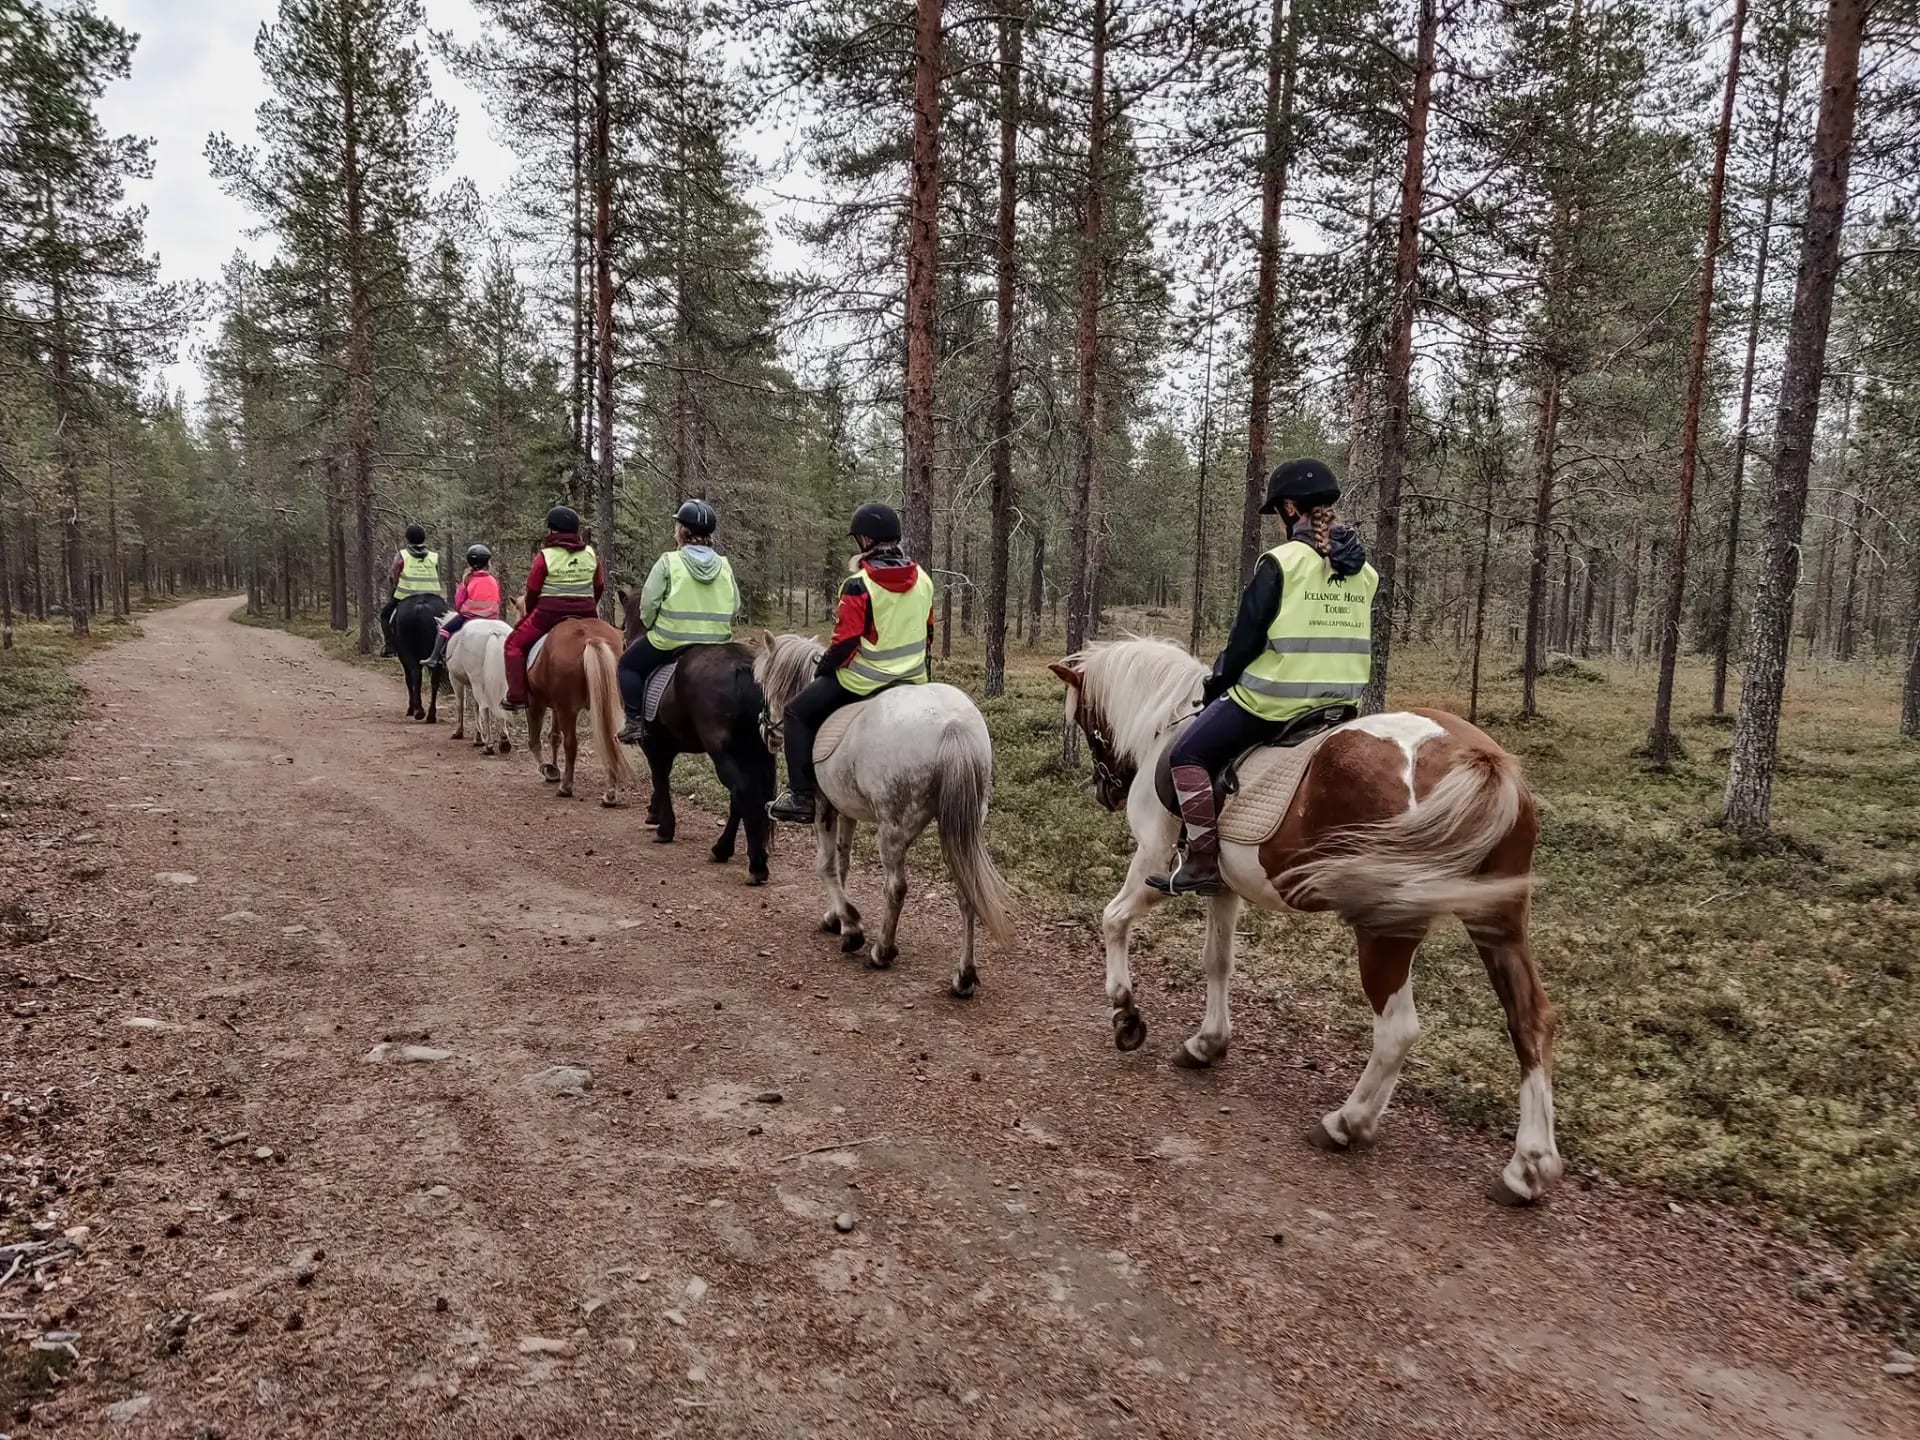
(882, 637)
(690, 598)
(564, 582)
(415, 571)
(1302, 641)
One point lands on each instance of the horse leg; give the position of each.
(411, 669)
(1134, 900)
(1209, 1043)
(432, 716)
(966, 974)
(729, 773)
(460, 713)
(1386, 974)
(1530, 1022)
(753, 812)
(569, 726)
(537, 729)
(852, 935)
(660, 807)
(894, 840)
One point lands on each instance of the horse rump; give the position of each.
(1396, 876)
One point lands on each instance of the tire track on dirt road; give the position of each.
(1050, 1239)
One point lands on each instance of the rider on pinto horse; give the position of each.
(564, 582)
(882, 637)
(476, 598)
(690, 598)
(1303, 637)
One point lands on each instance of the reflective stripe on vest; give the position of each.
(419, 574)
(897, 650)
(483, 597)
(1320, 645)
(569, 573)
(694, 611)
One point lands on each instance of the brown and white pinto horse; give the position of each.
(1401, 819)
(574, 670)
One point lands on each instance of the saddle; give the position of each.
(533, 655)
(1252, 793)
(835, 729)
(657, 684)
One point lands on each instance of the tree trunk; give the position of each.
(1492, 468)
(1586, 608)
(1000, 538)
(360, 395)
(1730, 562)
(923, 271)
(1660, 741)
(1910, 692)
(6, 584)
(1036, 588)
(66, 445)
(1087, 343)
(1406, 279)
(606, 541)
(1545, 445)
(1749, 797)
(582, 322)
(1281, 54)
(336, 548)
(1199, 596)
(1845, 637)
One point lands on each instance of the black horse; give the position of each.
(416, 621)
(712, 706)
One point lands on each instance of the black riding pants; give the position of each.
(1220, 732)
(806, 713)
(639, 661)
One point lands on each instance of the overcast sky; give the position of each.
(194, 75)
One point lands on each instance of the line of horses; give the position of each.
(1401, 819)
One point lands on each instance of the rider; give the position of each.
(690, 598)
(415, 571)
(476, 598)
(564, 582)
(1302, 639)
(881, 638)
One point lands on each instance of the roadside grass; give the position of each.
(1739, 1022)
(39, 698)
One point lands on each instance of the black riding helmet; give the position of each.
(479, 556)
(416, 534)
(876, 522)
(1307, 482)
(698, 517)
(562, 521)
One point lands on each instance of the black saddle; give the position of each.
(1227, 781)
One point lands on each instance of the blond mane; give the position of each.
(1140, 686)
(784, 667)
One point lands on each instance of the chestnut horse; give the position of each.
(574, 671)
(1400, 819)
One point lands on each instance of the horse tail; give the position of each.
(603, 699)
(493, 670)
(1397, 876)
(963, 770)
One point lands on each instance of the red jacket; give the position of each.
(571, 604)
(888, 569)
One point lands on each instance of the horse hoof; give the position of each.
(1129, 1031)
(653, 818)
(506, 746)
(720, 854)
(756, 877)
(961, 988)
(851, 941)
(609, 802)
(1321, 1138)
(1185, 1059)
(663, 836)
(1505, 1196)
(565, 792)
(830, 925)
(549, 774)
(882, 957)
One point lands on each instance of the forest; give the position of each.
(1608, 311)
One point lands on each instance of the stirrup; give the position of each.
(795, 809)
(1189, 880)
(634, 732)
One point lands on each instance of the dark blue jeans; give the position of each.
(639, 661)
(1221, 732)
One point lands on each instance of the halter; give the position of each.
(771, 731)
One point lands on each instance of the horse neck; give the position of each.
(1125, 720)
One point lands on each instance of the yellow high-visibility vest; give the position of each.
(694, 611)
(419, 574)
(897, 652)
(1320, 644)
(569, 573)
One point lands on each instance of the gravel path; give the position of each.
(795, 1197)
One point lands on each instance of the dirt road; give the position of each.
(1048, 1239)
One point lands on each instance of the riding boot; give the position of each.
(634, 732)
(439, 656)
(797, 809)
(1198, 872)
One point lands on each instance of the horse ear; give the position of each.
(766, 641)
(1066, 673)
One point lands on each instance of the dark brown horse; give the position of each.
(1399, 820)
(711, 707)
(572, 671)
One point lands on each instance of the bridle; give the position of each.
(1111, 780)
(771, 731)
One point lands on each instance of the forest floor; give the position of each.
(247, 873)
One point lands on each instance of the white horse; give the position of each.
(910, 755)
(477, 666)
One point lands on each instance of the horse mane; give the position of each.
(1139, 685)
(785, 666)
